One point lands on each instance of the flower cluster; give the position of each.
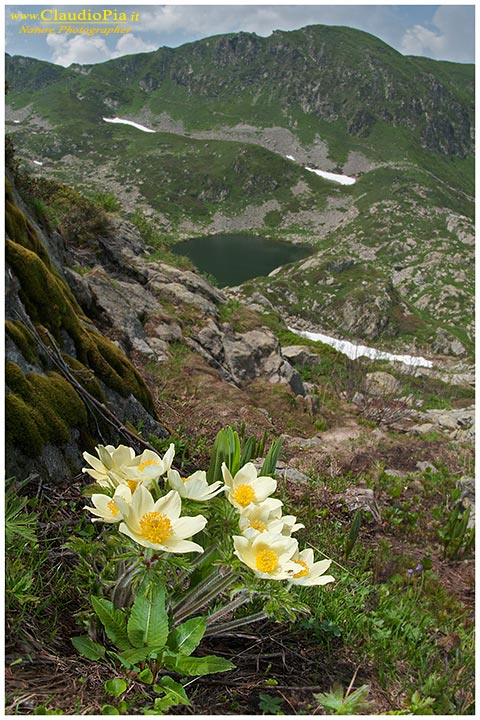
(266, 544)
(155, 524)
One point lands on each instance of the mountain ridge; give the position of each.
(403, 126)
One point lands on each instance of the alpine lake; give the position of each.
(233, 258)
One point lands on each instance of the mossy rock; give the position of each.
(19, 229)
(40, 409)
(51, 304)
(85, 377)
(44, 409)
(22, 338)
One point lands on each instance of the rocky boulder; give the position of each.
(249, 355)
(382, 384)
(300, 355)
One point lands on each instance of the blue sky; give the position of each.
(442, 32)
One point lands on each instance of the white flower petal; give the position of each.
(94, 462)
(175, 482)
(227, 476)
(185, 527)
(169, 505)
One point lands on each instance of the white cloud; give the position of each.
(81, 49)
(452, 36)
(419, 40)
(130, 44)
(85, 49)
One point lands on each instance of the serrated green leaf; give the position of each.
(88, 648)
(113, 620)
(186, 637)
(202, 666)
(115, 686)
(137, 622)
(150, 614)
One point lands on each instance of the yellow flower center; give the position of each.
(146, 463)
(258, 525)
(266, 561)
(112, 506)
(132, 484)
(244, 495)
(303, 572)
(156, 527)
(184, 480)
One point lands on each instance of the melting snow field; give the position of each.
(356, 351)
(334, 177)
(128, 122)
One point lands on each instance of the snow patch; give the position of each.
(16, 122)
(355, 351)
(37, 162)
(334, 177)
(128, 122)
(289, 157)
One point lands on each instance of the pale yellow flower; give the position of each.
(109, 458)
(143, 469)
(158, 525)
(194, 487)
(310, 572)
(268, 555)
(106, 508)
(290, 524)
(246, 488)
(267, 516)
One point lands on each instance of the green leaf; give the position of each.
(115, 686)
(137, 622)
(88, 648)
(113, 620)
(136, 655)
(109, 710)
(202, 666)
(270, 462)
(186, 637)
(146, 676)
(174, 691)
(148, 622)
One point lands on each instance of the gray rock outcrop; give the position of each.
(246, 356)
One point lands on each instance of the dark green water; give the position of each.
(231, 259)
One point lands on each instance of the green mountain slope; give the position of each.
(228, 109)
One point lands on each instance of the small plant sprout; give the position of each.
(336, 702)
(173, 590)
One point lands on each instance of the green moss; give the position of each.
(22, 426)
(41, 409)
(22, 338)
(15, 379)
(41, 291)
(85, 377)
(50, 303)
(115, 369)
(19, 229)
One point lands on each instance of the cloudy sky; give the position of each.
(442, 32)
